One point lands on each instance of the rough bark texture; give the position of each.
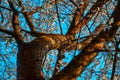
(31, 55)
(29, 62)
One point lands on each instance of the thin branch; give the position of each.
(6, 31)
(1, 55)
(77, 15)
(5, 8)
(15, 22)
(27, 17)
(16, 27)
(12, 6)
(75, 28)
(29, 22)
(114, 61)
(55, 2)
(60, 57)
(96, 17)
(28, 14)
(81, 61)
(86, 39)
(34, 34)
(58, 17)
(1, 16)
(34, 11)
(74, 3)
(31, 12)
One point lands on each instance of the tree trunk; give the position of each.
(29, 61)
(31, 55)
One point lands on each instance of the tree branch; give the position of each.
(6, 31)
(74, 3)
(31, 12)
(63, 43)
(77, 15)
(81, 61)
(12, 6)
(60, 57)
(75, 28)
(27, 16)
(82, 44)
(34, 34)
(15, 23)
(30, 23)
(114, 61)
(5, 8)
(58, 17)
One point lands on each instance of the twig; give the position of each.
(74, 3)
(60, 57)
(58, 18)
(6, 8)
(6, 31)
(15, 23)
(115, 61)
(27, 17)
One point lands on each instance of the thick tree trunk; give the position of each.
(29, 61)
(31, 55)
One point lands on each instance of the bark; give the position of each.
(80, 62)
(75, 28)
(28, 62)
(31, 55)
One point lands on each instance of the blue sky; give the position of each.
(68, 55)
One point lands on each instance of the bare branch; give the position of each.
(27, 17)
(74, 3)
(75, 28)
(28, 14)
(39, 8)
(12, 6)
(30, 23)
(115, 60)
(15, 22)
(82, 44)
(1, 16)
(81, 61)
(77, 15)
(60, 57)
(34, 11)
(58, 17)
(16, 27)
(6, 31)
(55, 2)
(5, 8)
(34, 34)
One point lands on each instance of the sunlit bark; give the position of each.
(31, 55)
